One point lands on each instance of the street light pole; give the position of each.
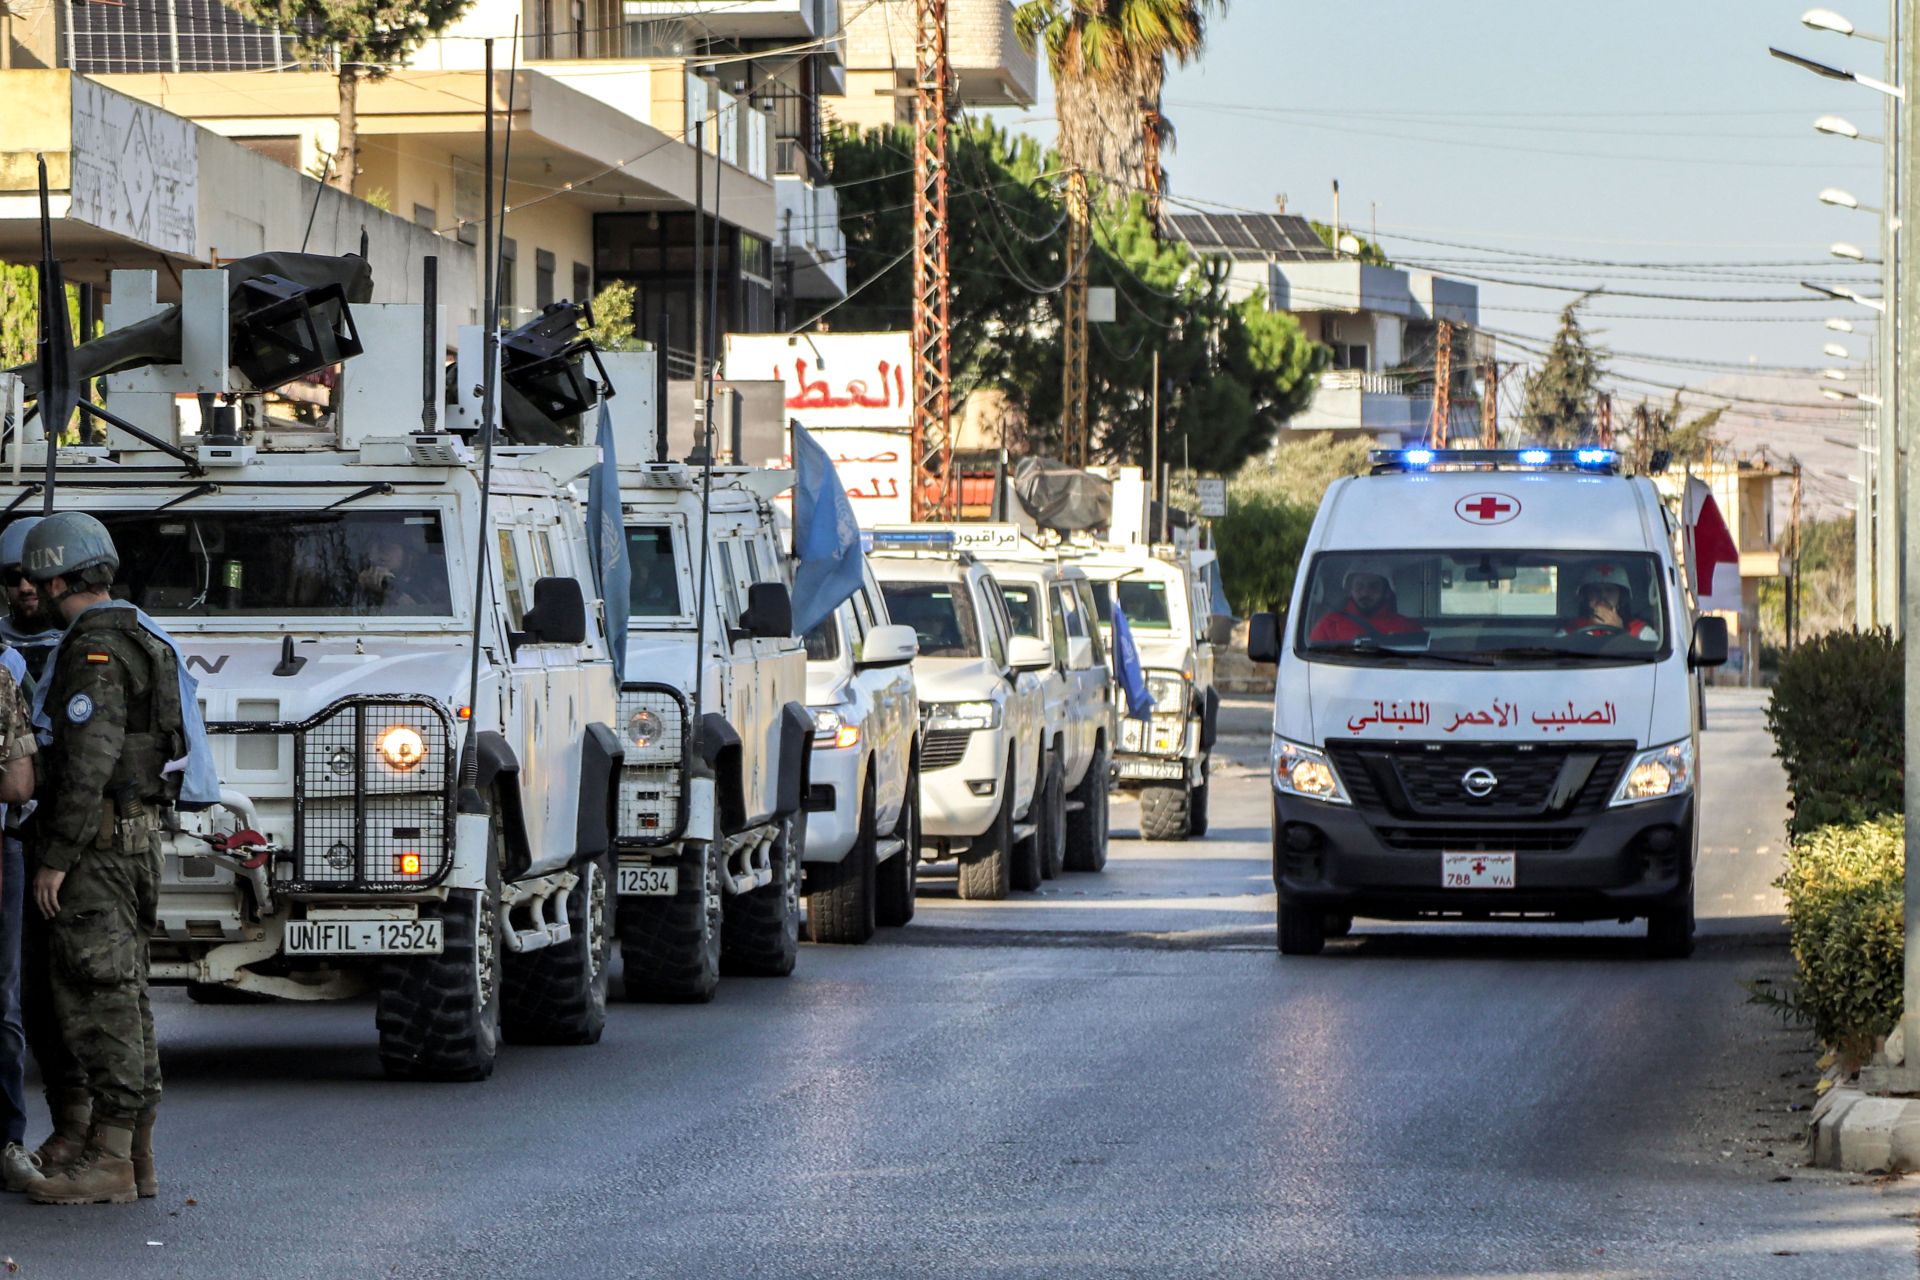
(1902, 314)
(1891, 496)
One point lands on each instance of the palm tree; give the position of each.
(1108, 59)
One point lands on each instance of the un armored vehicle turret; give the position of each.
(402, 666)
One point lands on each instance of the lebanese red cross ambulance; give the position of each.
(1512, 726)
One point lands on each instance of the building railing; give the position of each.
(1379, 384)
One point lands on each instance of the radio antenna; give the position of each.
(704, 366)
(57, 392)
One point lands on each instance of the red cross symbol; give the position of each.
(1479, 867)
(1488, 507)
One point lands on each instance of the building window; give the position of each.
(1350, 355)
(543, 267)
(582, 282)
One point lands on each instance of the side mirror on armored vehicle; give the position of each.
(769, 612)
(889, 646)
(1220, 630)
(1079, 653)
(559, 613)
(1029, 653)
(1709, 643)
(1263, 637)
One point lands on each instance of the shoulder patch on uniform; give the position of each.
(99, 655)
(79, 708)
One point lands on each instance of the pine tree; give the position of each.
(1562, 393)
(358, 41)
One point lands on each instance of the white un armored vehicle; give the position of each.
(715, 727)
(398, 812)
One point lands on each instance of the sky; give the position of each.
(1522, 132)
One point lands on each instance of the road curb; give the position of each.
(1860, 1133)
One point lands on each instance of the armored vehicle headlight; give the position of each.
(1169, 690)
(340, 762)
(402, 747)
(643, 728)
(1662, 771)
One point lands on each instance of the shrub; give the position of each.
(1260, 540)
(1844, 887)
(1836, 721)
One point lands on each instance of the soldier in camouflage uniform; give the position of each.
(97, 843)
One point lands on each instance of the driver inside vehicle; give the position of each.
(388, 581)
(1370, 611)
(1605, 608)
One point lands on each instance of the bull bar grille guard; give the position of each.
(335, 816)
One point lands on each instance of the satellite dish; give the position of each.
(1350, 245)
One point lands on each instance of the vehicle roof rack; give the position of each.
(1590, 459)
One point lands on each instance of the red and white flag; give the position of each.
(1712, 554)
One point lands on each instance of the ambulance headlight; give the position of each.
(1657, 773)
(402, 747)
(1300, 770)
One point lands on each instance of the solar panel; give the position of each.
(1255, 237)
(171, 35)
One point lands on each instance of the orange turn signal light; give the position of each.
(409, 864)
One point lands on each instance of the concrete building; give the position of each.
(604, 99)
(1744, 490)
(134, 187)
(1381, 323)
(990, 68)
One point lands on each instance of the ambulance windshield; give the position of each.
(1485, 608)
(266, 563)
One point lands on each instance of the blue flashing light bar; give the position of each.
(912, 540)
(1422, 458)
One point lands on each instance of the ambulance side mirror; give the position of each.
(1709, 643)
(1263, 637)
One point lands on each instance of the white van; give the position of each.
(1487, 703)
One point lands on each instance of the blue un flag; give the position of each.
(608, 543)
(1126, 666)
(826, 540)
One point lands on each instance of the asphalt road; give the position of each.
(1116, 1077)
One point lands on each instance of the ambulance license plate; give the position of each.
(648, 882)
(1476, 870)
(363, 938)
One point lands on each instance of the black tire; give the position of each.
(1164, 812)
(1301, 931)
(1670, 931)
(986, 868)
(439, 1016)
(558, 994)
(841, 910)
(1086, 842)
(1338, 926)
(899, 875)
(1053, 821)
(1197, 808)
(760, 932)
(1029, 856)
(670, 947)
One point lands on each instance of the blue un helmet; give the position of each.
(13, 540)
(64, 544)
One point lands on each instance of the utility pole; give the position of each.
(1606, 420)
(1793, 580)
(934, 488)
(1900, 310)
(1153, 434)
(1442, 384)
(1891, 495)
(1490, 405)
(1073, 403)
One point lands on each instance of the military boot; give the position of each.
(72, 1116)
(102, 1175)
(143, 1176)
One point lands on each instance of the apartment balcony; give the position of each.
(742, 19)
(807, 229)
(990, 66)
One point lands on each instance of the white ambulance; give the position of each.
(1487, 703)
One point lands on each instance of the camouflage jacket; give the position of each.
(104, 746)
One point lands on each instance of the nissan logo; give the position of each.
(1479, 782)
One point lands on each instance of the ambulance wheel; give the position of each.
(1053, 825)
(841, 910)
(1670, 931)
(986, 868)
(670, 947)
(1087, 825)
(558, 994)
(899, 875)
(760, 932)
(439, 1016)
(1302, 930)
(1339, 926)
(1165, 812)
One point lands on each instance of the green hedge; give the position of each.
(1836, 721)
(1844, 886)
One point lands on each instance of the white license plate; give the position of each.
(1476, 870)
(649, 882)
(363, 938)
(1152, 769)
